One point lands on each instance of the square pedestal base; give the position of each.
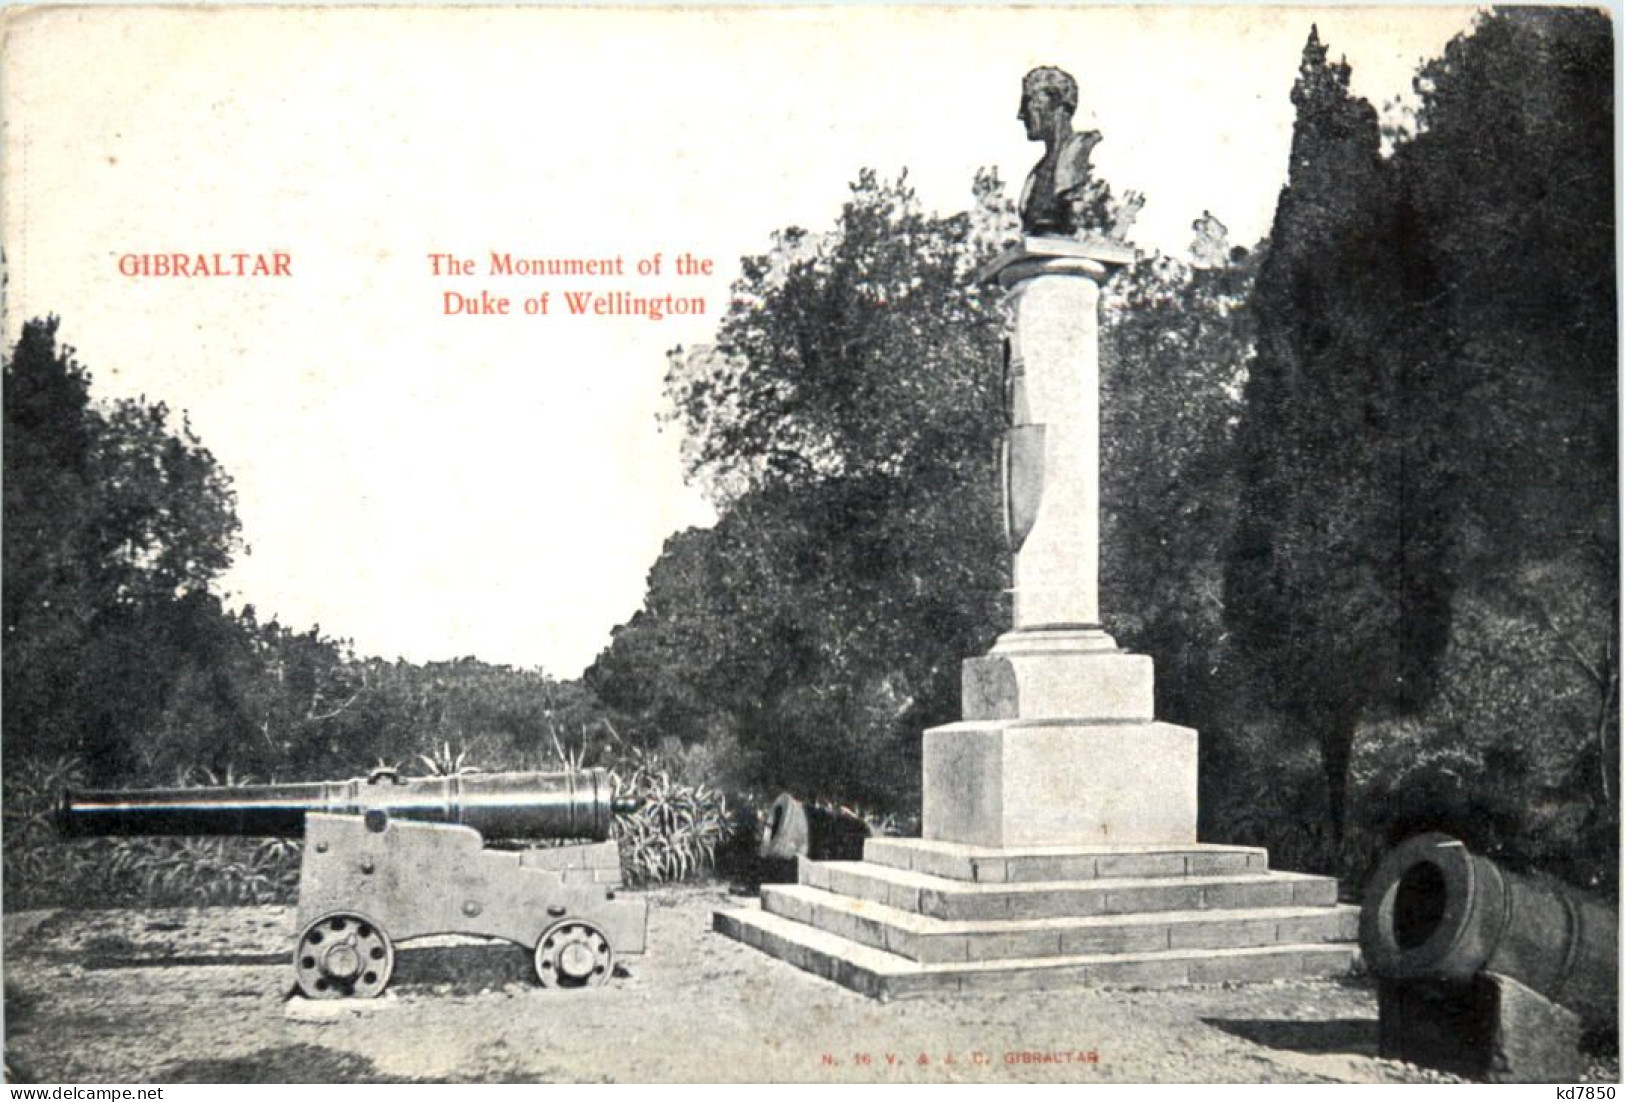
(1060, 684)
(1060, 783)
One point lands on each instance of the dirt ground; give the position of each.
(203, 995)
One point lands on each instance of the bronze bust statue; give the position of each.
(1059, 196)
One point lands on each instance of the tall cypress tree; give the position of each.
(1322, 563)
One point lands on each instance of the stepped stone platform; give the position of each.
(919, 917)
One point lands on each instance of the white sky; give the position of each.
(434, 486)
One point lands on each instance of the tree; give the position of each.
(1329, 586)
(115, 525)
(1509, 180)
(859, 353)
(49, 435)
(1510, 196)
(1429, 431)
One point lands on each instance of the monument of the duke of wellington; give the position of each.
(1059, 821)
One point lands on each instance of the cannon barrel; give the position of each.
(1434, 910)
(797, 829)
(499, 805)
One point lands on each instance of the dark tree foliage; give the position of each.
(48, 439)
(1429, 431)
(673, 670)
(1510, 185)
(1326, 563)
(115, 524)
(859, 353)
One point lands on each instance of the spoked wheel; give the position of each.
(574, 954)
(343, 956)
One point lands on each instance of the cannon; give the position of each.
(1483, 970)
(796, 829)
(388, 859)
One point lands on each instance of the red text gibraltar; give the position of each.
(190, 265)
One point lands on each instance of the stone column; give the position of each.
(1052, 453)
(1059, 745)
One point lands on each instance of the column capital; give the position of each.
(1094, 260)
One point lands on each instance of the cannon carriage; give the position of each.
(388, 859)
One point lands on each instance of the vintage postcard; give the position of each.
(843, 544)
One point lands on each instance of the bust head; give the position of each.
(1049, 96)
(1061, 195)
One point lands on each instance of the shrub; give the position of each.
(675, 834)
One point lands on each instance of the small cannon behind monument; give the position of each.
(388, 859)
(1485, 971)
(798, 829)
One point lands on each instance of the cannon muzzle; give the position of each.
(1435, 911)
(498, 805)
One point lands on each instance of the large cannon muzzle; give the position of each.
(499, 805)
(1435, 911)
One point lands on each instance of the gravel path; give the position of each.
(201, 995)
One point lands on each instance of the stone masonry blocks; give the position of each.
(1015, 783)
(1078, 685)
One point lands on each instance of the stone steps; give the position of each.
(938, 941)
(965, 900)
(1027, 864)
(884, 975)
(916, 917)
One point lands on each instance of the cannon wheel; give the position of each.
(343, 955)
(574, 954)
